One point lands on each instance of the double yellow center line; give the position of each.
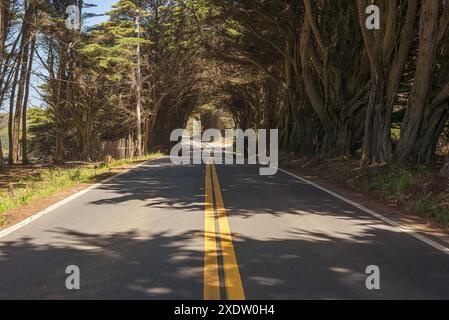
(233, 281)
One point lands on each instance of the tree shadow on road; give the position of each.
(281, 254)
(304, 265)
(316, 265)
(245, 193)
(116, 266)
(157, 185)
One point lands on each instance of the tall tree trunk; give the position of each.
(377, 139)
(86, 147)
(59, 101)
(435, 119)
(85, 133)
(138, 93)
(419, 96)
(146, 136)
(334, 78)
(316, 101)
(4, 22)
(59, 136)
(11, 142)
(22, 74)
(387, 58)
(19, 103)
(25, 101)
(2, 159)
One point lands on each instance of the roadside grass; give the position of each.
(432, 206)
(50, 181)
(416, 189)
(396, 183)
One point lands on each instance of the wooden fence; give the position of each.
(119, 149)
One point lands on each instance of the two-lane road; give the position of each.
(163, 231)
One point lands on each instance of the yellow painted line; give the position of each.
(234, 287)
(211, 278)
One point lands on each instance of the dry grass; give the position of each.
(415, 189)
(22, 186)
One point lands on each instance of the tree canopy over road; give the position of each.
(312, 69)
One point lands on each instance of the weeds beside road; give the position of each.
(413, 189)
(45, 182)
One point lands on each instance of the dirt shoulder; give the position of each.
(23, 212)
(347, 179)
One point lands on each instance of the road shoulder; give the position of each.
(28, 213)
(320, 175)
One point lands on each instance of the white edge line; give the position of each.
(375, 214)
(53, 207)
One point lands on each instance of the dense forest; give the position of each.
(312, 69)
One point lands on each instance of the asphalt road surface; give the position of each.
(163, 231)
